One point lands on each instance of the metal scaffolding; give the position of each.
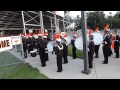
(52, 25)
(66, 24)
(54, 21)
(28, 18)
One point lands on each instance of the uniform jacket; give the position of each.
(45, 45)
(91, 47)
(65, 48)
(106, 41)
(59, 50)
(41, 46)
(117, 40)
(73, 44)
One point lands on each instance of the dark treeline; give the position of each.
(98, 19)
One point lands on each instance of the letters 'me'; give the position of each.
(4, 43)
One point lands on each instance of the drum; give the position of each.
(54, 43)
(79, 43)
(68, 40)
(50, 47)
(33, 53)
(98, 38)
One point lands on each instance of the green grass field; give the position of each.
(17, 71)
(78, 52)
(20, 71)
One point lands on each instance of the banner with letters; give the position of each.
(5, 43)
(16, 40)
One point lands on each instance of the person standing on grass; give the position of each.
(73, 45)
(116, 43)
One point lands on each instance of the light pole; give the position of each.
(85, 51)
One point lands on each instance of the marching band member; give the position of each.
(24, 45)
(48, 36)
(54, 39)
(106, 45)
(116, 43)
(45, 45)
(46, 32)
(30, 43)
(97, 46)
(41, 49)
(110, 52)
(91, 48)
(34, 41)
(73, 45)
(65, 48)
(90, 31)
(59, 52)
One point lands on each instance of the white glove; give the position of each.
(46, 48)
(105, 42)
(88, 50)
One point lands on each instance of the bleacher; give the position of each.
(11, 21)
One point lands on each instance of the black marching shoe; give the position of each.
(65, 62)
(116, 57)
(43, 65)
(74, 58)
(109, 56)
(59, 71)
(96, 56)
(105, 63)
(90, 67)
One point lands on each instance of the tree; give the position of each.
(98, 19)
(117, 15)
(78, 23)
(95, 19)
(116, 20)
